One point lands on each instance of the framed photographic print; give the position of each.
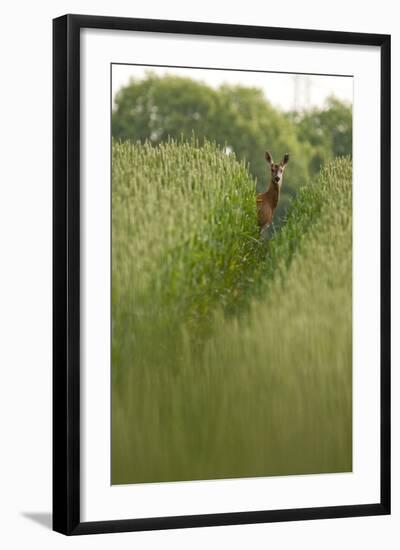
(221, 274)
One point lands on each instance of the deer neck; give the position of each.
(273, 191)
(274, 187)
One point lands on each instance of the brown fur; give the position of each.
(266, 204)
(268, 201)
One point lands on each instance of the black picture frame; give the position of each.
(66, 273)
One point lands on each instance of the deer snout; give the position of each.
(276, 179)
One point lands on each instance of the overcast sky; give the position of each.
(283, 90)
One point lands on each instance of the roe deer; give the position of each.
(268, 201)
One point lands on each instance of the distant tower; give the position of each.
(301, 92)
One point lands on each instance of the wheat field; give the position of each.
(231, 356)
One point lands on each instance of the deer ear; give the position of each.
(285, 159)
(268, 157)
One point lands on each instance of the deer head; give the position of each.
(277, 170)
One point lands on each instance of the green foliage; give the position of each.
(253, 126)
(328, 131)
(266, 389)
(184, 225)
(158, 108)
